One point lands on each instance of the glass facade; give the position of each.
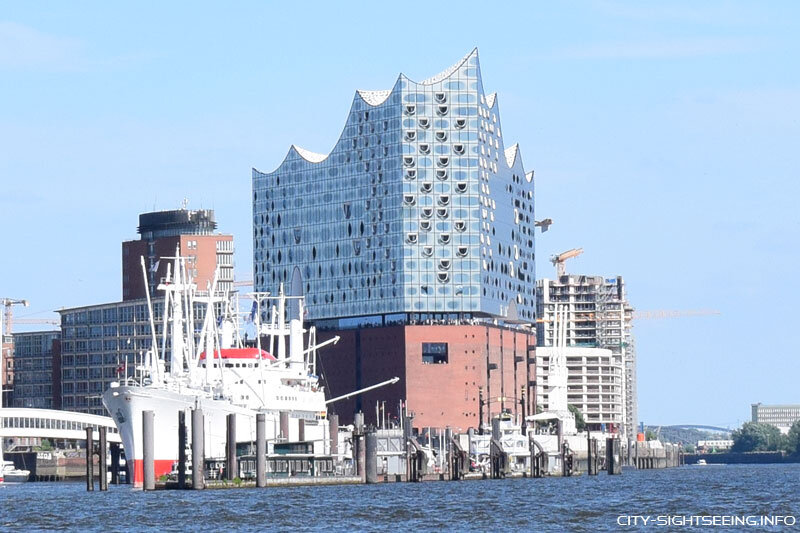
(33, 369)
(419, 208)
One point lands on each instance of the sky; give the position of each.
(664, 137)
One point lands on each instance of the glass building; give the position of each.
(421, 210)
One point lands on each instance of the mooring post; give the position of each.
(371, 456)
(148, 455)
(230, 448)
(333, 435)
(102, 455)
(114, 447)
(261, 450)
(89, 458)
(449, 452)
(181, 449)
(198, 449)
(284, 425)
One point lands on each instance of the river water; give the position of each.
(551, 504)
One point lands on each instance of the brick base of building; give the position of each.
(441, 369)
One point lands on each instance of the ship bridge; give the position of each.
(52, 424)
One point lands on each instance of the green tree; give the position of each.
(756, 437)
(793, 438)
(649, 435)
(580, 423)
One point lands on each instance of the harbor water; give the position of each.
(552, 504)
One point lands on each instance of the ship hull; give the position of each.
(127, 403)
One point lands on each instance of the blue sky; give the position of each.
(664, 138)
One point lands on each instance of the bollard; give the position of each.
(284, 425)
(333, 430)
(114, 446)
(261, 450)
(102, 454)
(230, 449)
(148, 449)
(181, 449)
(198, 449)
(89, 458)
(449, 451)
(371, 457)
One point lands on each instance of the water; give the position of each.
(551, 504)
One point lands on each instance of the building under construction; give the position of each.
(601, 357)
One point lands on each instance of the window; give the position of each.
(434, 353)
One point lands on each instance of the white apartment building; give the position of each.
(595, 385)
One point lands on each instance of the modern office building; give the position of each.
(189, 232)
(36, 370)
(598, 316)
(421, 214)
(780, 416)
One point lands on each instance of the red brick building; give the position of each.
(191, 233)
(441, 369)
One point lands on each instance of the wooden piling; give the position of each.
(181, 449)
(114, 448)
(148, 450)
(230, 449)
(333, 435)
(261, 450)
(198, 449)
(89, 458)
(371, 456)
(284, 417)
(102, 454)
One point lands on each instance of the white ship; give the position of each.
(234, 380)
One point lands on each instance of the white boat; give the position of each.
(11, 474)
(701, 462)
(235, 379)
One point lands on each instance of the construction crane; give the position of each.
(559, 260)
(9, 304)
(42, 321)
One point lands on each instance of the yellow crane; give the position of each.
(559, 260)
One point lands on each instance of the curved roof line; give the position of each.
(374, 98)
(446, 73)
(511, 154)
(308, 155)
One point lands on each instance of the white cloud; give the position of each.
(22, 47)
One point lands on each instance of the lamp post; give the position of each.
(7, 302)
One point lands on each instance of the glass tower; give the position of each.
(419, 209)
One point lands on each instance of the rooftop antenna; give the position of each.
(184, 203)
